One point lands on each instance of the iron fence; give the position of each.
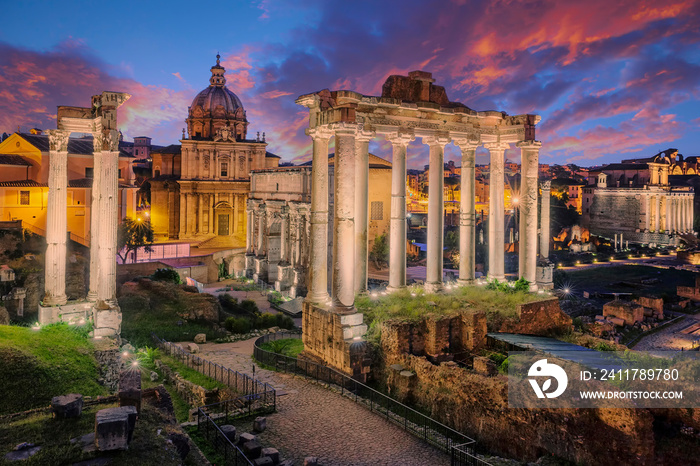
(222, 444)
(261, 392)
(459, 446)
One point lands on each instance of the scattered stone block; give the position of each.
(193, 348)
(260, 424)
(630, 313)
(67, 406)
(252, 449)
(246, 437)
(200, 338)
(22, 452)
(263, 461)
(114, 428)
(272, 453)
(230, 432)
(130, 389)
(87, 442)
(286, 463)
(311, 461)
(181, 444)
(154, 376)
(396, 367)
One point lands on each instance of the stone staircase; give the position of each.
(223, 242)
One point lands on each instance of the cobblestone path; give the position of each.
(314, 421)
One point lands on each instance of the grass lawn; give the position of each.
(37, 365)
(412, 304)
(288, 347)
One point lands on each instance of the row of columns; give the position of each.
(192, 212)
(349, 266)
(677, 213)
(292, 231)
(198, 168)
(103, 220)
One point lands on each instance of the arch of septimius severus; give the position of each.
(410, 107)
(100, 305)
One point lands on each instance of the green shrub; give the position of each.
(248, 306)
(229, 303)
(503, 368)
(521, 285)
(238, 325)
(284, 321)
(266, 321)
(166, 275)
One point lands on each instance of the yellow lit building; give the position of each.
(24, 174)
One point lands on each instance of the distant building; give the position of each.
(641, 199)
(573, 189)
(24, 176)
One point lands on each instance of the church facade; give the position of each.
(200, 187)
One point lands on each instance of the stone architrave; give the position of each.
(318, 268)
(436, 220)
(527, 249)
(362, 139)
(467, 212)
(496, 210)
(56, 219)
(342, 285)
(397, 227)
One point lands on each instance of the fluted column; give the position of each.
(261, 230)
(284, 222)
(467, 212)
(95, 210)
(109, 183)
(679, 225)
(545, 214)
(56, 220)
(657, 213)
(667, 214)
(342, 288)
(361, 208)
(200, 213)
(250, 224)
(527, 249)
(436, 204)
(681, 214)
(689, 213)
(318, 268)
(647, 208)
(496, 210)
(397, 226)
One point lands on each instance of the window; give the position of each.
(89, 172)
(24, 198)
(120, 173)
(224, 169)
(377, 211)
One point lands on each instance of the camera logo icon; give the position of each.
(542, 368)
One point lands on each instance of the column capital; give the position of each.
(437, 139)
(345, 128)
(319, 132)
(364, 135)
(466, 144)
(546, 185)
(496, 146)
(58, 140)
(529, 145)
(400, 137)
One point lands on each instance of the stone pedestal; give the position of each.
(544, 274)
(114, 428)
(335, 339)
(107, 319)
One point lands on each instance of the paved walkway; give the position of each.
(314, 421)
(670, 338)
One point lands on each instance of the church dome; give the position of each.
(217, 109)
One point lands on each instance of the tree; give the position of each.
(133, 234)
(380, 250)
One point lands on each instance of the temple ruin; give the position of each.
(100, 305)
(409, 107)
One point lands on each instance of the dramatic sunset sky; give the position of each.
(611, 79)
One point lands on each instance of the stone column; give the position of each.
(183, 215)
(284, 217)
(667, 216)
(200, 213)
(647, 207)
(467, 212)
(397, 227)
(496, 210)
(545, 214)
(56, 220)
(211, 200)
(109, 181)
(318, 267)
(361, 206)
(342, 288)
(236, 212)
(527, 257)
(95, 210)
(261, 230)
(679, 224)
(657, 214)
(249, 230)
(436, 205)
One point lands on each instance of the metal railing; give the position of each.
(458, 445)
(222, 444)
(237, 381)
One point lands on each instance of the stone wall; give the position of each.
(542, 318)
(109, 361)
(631, 313)
(690, 291)
(194, 394)
(335, 340)
(435, 336)
(477, 405)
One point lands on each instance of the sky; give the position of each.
(611, 79)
